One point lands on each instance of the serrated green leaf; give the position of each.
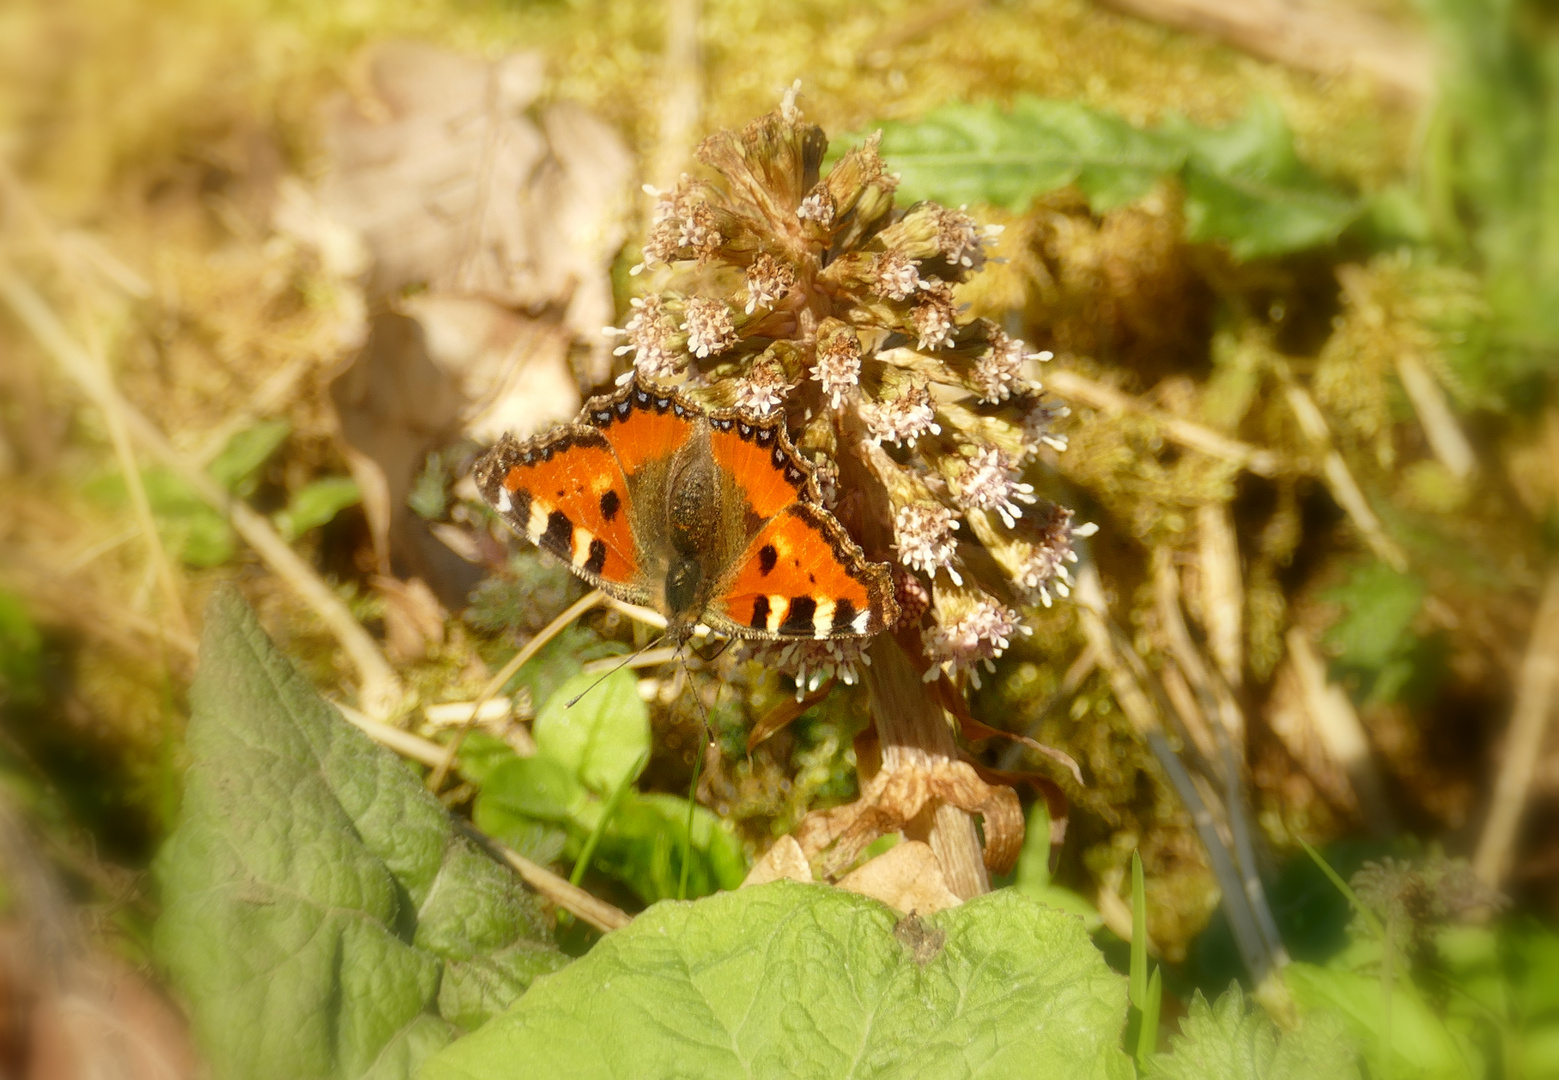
(1378, 609)
(1419, 1042)
(982, 153)
(1228, 1041)
(239, 463)
(1245, 186)
(317, 503)
(789, 980)
(314, 888)
(601, 735)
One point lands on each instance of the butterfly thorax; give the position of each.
(692, 529)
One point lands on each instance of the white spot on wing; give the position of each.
(860, 622)
(778, 608)
(505, 504)
(537, 525)
(823, 619)
(582, 538)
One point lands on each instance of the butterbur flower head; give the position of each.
(987, 481)
(653, 339)
(972, 630)
(838, 365)
(904, 418)
(762, 390)
(710, 329)
(923, 534)
(1000, 369)
(933, 315)
(895, 276)
(812, 296)
(768, 280)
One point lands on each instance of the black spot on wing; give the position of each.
(767, 557)
(760, 613)
(609, 505)
(844, 615)
(597, 560)
(559, 537)
(798, 620)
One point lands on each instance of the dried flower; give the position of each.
(987, 481)
(768, 280)
(905, 418)
(710, 330)
(958, 237)
(924, 538)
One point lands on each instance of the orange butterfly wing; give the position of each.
(566, 493)
(801, 574)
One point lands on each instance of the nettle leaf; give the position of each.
(321, 917)
(1379, 606)
(1229, 1041)
(982, 153)
(600, 736)
(787, 980)
(1244, 184)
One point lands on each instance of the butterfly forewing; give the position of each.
(567, 494)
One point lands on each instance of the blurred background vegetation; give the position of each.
(1303, 304)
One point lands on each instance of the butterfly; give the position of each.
(706, 516)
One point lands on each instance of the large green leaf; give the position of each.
(1228, 1041)
(788, 980)
(1244, 185)
(322, 917)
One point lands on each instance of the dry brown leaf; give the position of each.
(783, 861)
(907, 877)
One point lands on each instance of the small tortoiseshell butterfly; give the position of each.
(707, 517)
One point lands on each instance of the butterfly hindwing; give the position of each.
(802, 576)
(567, 494)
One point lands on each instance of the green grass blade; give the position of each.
(1139, 936)
(612, 803)
(1147, 1030)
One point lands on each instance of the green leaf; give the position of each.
(538, 788)
(21, 650)
(643, 843)
(1032, 878)
(1378, 609)
(981, 153)
(317, 503)
(1227, 1041)
(238, 466)
(1420, 1043)
(1139, 935)
(789, 980)
(428, 498)
(321, 917)
(601, 735)
(1246, 187)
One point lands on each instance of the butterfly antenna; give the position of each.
(630, 658)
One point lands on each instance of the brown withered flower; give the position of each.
(776, 287)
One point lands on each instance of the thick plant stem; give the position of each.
(914, 734)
